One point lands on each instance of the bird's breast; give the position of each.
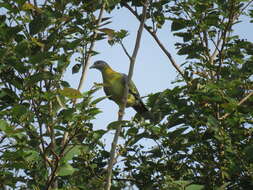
(114, 88)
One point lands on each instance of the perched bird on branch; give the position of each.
(114, 84)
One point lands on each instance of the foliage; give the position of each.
(203, 130)
(206, 131)
(46, 134)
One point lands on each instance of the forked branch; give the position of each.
(124, 101)
(153, 34)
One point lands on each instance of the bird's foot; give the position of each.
(121, 113)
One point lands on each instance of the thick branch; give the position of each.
(124, 101)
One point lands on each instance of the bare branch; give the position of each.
(35, 3)
(245, 7)
(55, 168)
(89, 53)
(86, 63)
(124, 101)
(153, 34)
(226, 32)
(125, 50)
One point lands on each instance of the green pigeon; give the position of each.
(114, 83)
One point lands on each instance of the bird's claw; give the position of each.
(121, 113)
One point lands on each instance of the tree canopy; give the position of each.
(202, 132)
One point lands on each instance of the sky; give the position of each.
(152, 73)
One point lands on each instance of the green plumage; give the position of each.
(114, 83)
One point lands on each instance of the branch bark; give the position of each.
(153, 34)
(86, 64)
(87, 60)
(124, 101)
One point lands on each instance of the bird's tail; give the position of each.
(143, 111)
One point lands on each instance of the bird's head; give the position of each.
(100, 65)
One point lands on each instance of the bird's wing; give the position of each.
(132, 88)
(108, 92)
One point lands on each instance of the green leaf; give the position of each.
(115, 124)
(223, 187)
(70, 93)
(2, 18)
(93, 111)
(194, 187)
(65, 84)
(67, 114)
(66, 170)
(109, 32)
(137, 137)
(99, 133)
(37, 42)
(121, 34)
(249, 152)
(19, 110)
(32, 156)
(132, 131)
(38, 24)
(46, 75)
(71, 152)
(185, 35)
(10, 130)
(23, 48)
(182, 183)
(7, 97)
(94, 102)
(178, 25)
(76, 68)
(212, 121)
(137, 3)
(3, 125)
(111, 3)
(28, 6)
(105, 19)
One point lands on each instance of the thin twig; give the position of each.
(124, 101)
(87, 60)
(58, 157)
(45, 3)
(245, 7)
(153, 34)
(240, 103)
(125, 50)
(86, 63)
(35, 3)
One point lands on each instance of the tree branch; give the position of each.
(124, 101)
(87, 59)
(58, 157)
(240, 103)
(153, 34)
(125, 50)
(86, 63)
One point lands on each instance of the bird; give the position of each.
(114, 84)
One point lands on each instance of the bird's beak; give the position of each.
(92, 67)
